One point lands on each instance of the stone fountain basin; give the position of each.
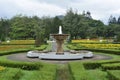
(65, 56)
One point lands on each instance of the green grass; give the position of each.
(113, 66)
(75, 71)
(80, 73)
(114, 74)
(11, 74)
(47, 72)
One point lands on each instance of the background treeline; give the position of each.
(77, 25)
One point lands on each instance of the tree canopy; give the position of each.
(75, 24)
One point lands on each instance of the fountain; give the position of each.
(60, 40)
(60, 54)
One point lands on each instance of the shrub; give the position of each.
(47, 72)
(19, 42)
(11, 74)
(42, 47)
(2, 68)
(94, 65)
(79, 73)
(113, 66)
(113, 74)
(22, 65)
(13, 51)
(117, 52)
(18, 49)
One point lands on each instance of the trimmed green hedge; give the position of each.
(94, 65)
(11, 74)
(114, 74)
(22, 65)
(117, 52)
(75, 47)
(13, 51)
(80, 73)
(113, 66)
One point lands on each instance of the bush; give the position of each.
(116, 52)
(11, 74)
(42, 47)
(47, 72)
(22, 65)
(13, 51)
(18, 49)
(94, 65)
(113, 66)
(79, 73)
(19, 42)
(109, 51)
(113, 74)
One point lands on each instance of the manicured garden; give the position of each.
(76, 70)
(18, 70)
(96, 70)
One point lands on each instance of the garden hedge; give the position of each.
(113, 66)
(22, 50)
(94, 65)
(113, 74)
(22, 65)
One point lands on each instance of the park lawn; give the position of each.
(94, 71)
(80, 73)
(47, 73)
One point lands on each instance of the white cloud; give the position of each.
(100, 9)
(30, 7)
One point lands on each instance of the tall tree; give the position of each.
(22, 27)
(112, 20)
(118, 21)
(4, 28)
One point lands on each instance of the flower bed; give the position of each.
(89, 41)
(114, 74)
(101, 46)
(2, 68)
(19, 42)
(13, 47)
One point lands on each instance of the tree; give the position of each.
(68, 23)
(112, 20)
(118, 21)
(4, 29)
(56, 22)
(22, 27)
(39, 30)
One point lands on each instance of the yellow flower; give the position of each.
(2, 68)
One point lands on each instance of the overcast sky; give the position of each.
(100, 9)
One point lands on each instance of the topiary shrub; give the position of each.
(23, 65)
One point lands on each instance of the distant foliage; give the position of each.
(75, 24)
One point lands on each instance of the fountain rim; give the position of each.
(59, 34)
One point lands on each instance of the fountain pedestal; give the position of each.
(60, 40)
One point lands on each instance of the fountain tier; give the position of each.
(60, 40)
